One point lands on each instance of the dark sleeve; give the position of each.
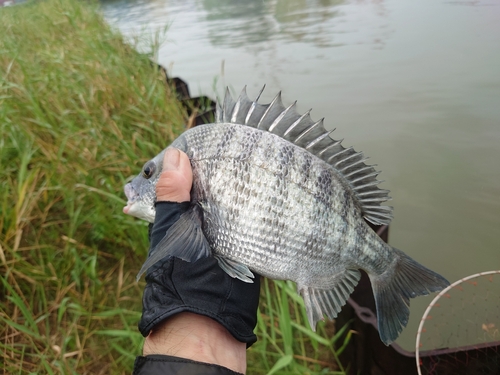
(166, 365)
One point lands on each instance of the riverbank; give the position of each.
(80, 112)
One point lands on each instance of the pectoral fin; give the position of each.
(184, 240)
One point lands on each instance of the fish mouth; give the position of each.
(137, 207)
(127, 208)
(131, 195)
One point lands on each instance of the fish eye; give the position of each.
(149, 169)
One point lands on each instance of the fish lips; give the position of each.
(131, 195)
(135, 207)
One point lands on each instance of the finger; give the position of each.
(176, 178)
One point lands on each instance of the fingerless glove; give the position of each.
(201, 287)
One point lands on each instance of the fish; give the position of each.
(275, 195)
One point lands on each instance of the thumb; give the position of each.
(176, 178)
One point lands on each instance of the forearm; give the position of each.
(198, 338)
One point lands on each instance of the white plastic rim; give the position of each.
(433, 303)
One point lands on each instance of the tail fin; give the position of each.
(393, 289)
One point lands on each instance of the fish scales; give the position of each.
(265, 174)
(275, 195)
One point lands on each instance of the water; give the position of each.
(413, 84)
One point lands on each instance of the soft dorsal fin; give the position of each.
(312, 136)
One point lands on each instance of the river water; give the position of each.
(415, 85)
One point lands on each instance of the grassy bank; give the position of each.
(80, 111)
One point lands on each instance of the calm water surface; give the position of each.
(413, 84)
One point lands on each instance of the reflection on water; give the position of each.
(237, 23)
(413, 84)
(245, 22)
(250, 22)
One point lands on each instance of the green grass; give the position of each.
(286, 344)
(80, 112)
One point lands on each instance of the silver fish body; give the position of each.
(274, 194)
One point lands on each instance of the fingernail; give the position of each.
(171, 159)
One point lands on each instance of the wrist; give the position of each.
(198, 338)
(167, 213)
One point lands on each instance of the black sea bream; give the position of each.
(274, 194)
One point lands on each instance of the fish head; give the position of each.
(141, 191)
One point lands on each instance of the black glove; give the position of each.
(201, 287)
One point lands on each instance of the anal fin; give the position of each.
(184, 240)
(329, 300)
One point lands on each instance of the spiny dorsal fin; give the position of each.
(302, 131)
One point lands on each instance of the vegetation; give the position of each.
(80, 111)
